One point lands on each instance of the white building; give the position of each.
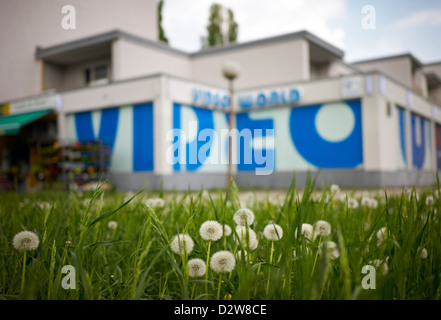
(372, 123)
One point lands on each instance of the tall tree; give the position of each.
(222, 28)
(161, 32)
(233, 27)
(214, 28)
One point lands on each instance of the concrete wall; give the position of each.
(338, 68)
(399, 69)
(53, 76)
(24, 25)
(435, 95)
(132, 60)
(436, 68)
(261, 65)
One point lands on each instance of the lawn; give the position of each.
(309, 243)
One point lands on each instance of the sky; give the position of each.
(401, 26)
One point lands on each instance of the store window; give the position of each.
(98, 74)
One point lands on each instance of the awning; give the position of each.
(10, 125)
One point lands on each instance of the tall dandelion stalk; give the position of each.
(222, 262)
(23, 275)
(210, 231)
(272, 232)
(25, 241)
(206, 274)
(269, 269)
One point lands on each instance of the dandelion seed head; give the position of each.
(155, 202)
(429, 200)
(322, 228)
(196, 268)
(365, 201)
(112, 225)
(380, 264)
(211, 230)
(273, 232)
(222, 262)
(335, 188)
(307, 230)
(423, 254)
(343, 197)
(26, 241)
(243, 216)
(331, 249)
(44, 205)
(239, 254)
(352, 203)
(381, 233)
(247, 237)
(182, 243)
(227, 230)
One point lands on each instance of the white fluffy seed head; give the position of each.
(373, 203)
(196, 268)
(331, 249)
(381, 265)
(335, 188)
(307, 230)
(243, 216)
(222, 262)
(239, 254)
(247, 237)
(429, 200)
(155, 202)
(26, 241)
(112, 225)
(322, 228)
(352, 203)
(343, 197)
(423, 254)
(181, 244)
(369, 202)
(211, 230)
(365, 201)
(381, 233)
(273, 232)
(227, 230)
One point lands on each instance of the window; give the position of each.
(101, 72)
(96, 74)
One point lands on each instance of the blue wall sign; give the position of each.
(269, 98)
(209, 98)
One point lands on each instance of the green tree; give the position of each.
(216, 35)
(161, 32)
(233, 27)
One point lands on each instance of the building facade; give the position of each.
(299, 107)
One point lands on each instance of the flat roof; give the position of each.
(107, 37)
(432, 63)
(433, 79)
(294, 35)
(398, 56)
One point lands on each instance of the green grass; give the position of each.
(135, 261)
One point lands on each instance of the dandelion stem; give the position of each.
(269, 270)
(192, 291)
(316, 256)
(24, 273)
(206, 273)
(219, 286)
(258, 273)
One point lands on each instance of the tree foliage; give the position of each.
(222, 27)
(161, 34)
